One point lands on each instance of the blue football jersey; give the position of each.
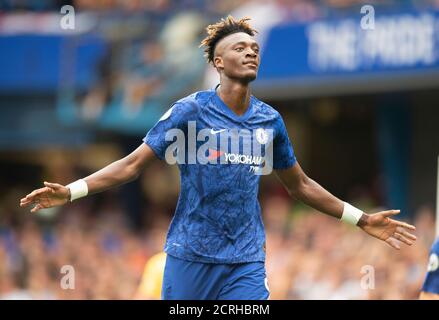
(431, 282)
(218, 216)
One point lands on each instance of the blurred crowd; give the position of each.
(319, 258)
(206, 5)
(152, 57)
(309, 255)
(82, 255)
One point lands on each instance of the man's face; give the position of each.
(237, 56)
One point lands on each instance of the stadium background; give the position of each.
(360, 107)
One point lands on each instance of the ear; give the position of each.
(218, 62)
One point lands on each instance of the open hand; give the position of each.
(52, 195)
(381, 226)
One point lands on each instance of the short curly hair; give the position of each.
(221, 29)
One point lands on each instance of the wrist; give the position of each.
(364, 219)
(351, 215)
(77, 189)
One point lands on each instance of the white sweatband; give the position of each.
(351, 214)
(78, 189)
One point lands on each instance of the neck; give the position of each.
(235, 95)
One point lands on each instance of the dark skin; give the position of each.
(237, 60)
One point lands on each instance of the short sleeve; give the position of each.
(431, 282)
(176, 117)
(283, 153)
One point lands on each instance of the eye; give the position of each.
(256, 50)
(239, 49)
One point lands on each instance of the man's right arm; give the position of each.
(120, 171)
(114, 174)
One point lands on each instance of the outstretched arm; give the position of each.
(378, 225)
(114, 174)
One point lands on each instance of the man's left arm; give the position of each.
(379, 225)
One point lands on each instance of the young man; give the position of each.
(216, 241)
(430, 288)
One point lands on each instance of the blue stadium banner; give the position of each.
(339, 53)
(36, 62)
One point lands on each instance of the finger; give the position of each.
(405, 225)
(25, 203)
(51, 190)
(405, 233)
(54, 186)
(23, 199)
(35, 193)
(36, 208)
(33, 197)
(29, 196)
(403, 239)
(393, 243)
(389, 213)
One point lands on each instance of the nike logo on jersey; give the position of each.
(212, 131)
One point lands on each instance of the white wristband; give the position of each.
(351, 214)
(78, 189)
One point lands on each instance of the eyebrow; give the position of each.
(245, 43)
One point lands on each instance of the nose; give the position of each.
(251, 53)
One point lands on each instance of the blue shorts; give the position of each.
(188, 280)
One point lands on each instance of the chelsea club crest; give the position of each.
(261, 135)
